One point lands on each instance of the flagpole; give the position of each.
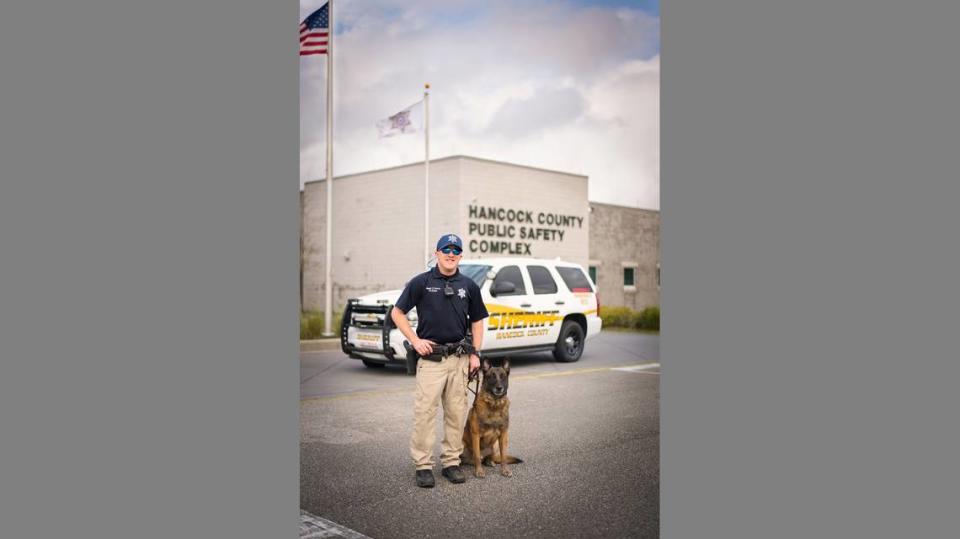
(328, 290)
(426, 174)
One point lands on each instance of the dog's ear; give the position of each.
(485, 364)
(506, 365)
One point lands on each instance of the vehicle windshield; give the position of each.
(476, 272)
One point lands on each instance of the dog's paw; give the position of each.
(479, 473)
(506, 472)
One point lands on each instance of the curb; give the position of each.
(332, 343)
(314, 527)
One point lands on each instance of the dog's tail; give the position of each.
(495, 459)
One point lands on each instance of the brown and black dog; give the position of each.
(489, 421)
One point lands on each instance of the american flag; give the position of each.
(314, 32)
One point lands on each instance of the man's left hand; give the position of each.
(474, 363)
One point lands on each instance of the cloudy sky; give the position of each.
(565, 85)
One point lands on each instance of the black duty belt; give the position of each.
(441, 351)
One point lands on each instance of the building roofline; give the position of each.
(447, 158)
(592, 203)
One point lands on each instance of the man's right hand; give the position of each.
(423, 347)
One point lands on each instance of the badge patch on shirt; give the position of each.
(462, 293)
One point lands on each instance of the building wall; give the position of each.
(625, 237)
(534, 192)
(312, 244)
(378, 241)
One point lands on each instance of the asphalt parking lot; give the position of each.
(588, 432)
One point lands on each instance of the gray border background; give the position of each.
(148, 242)
(810, 295)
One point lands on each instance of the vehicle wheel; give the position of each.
(570, 344)
(374, 364)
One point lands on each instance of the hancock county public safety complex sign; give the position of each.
(504, 229)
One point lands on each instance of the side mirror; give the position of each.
(503, 287)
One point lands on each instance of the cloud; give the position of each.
(559, 86)
(548, 108)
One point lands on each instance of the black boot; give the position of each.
(425, 478)
(453, 474)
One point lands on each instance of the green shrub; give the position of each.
(627, 318)
(311, 324)
(618, 317)
(648, 318)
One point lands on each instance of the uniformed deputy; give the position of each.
(447, 302)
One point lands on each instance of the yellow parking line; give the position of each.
(359, 394)
(561, 373)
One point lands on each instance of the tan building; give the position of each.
(625, 255)
(499, 209)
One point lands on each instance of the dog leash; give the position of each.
(474, 377)
(465, 347)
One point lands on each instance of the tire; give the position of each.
(569, 346)
(374, 364)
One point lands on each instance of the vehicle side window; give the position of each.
(575, 279)
(512, 274)
(543, 282)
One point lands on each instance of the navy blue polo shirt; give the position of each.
(440, 318)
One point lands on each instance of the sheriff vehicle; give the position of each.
(535, 305)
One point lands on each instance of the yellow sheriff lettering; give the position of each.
(510, 318)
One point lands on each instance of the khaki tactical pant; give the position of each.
(444, 381)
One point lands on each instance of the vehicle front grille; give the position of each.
(368, 324)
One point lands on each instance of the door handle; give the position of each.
(559, 303)
(525, 305)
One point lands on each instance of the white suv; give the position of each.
(535, 305)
